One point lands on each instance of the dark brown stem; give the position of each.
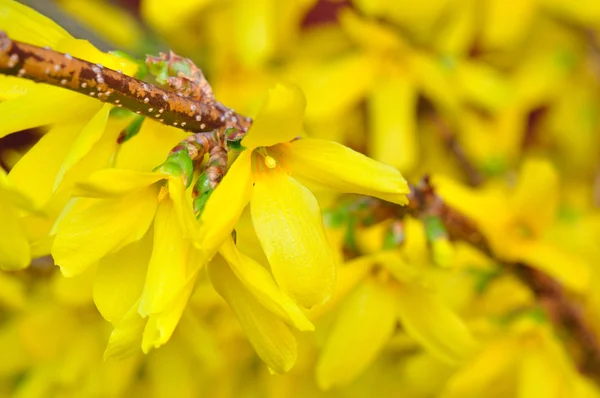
(63, 70)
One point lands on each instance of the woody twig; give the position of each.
(63, 70)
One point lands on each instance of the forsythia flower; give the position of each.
(285, 214)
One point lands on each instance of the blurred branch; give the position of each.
(63, 70)
(562, 308)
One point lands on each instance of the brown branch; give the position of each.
(63, 70)
(563, 308)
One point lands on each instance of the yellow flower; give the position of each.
(78, 121)
(285, 214)
(15, 252)
(376, 292)
(515, 223)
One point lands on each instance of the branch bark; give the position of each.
(63, 70)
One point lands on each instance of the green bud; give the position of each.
(131, 129)
(179, 163)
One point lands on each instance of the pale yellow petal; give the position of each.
(84, 142)
(261, 284)
(14, 247)
(268, 334)
(566, 268)
(115, 182)
(119, 279)
(38, 182)
(489, 367)
(25, 24)
(433, 324)
(364, 323)
(168, 267)
(392, 114)
(126, 337)
(97, 227)
(535, 200)
(13, 87)
(539, 376)
(226, 203)
(44, 105)
(288, 223)
(184, 208)
(340, 168)
(160, 326)
(279, 119)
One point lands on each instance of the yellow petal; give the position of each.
(567, 269)
(25, 24)
(279, 119)
(183, 208)
(41, 106)
(392, 113)
(126, 337)
(225, 205)
(168, 267)
(486, 369)
(539, 376)
(535, 200)
(261, 284)
(119, 279)
(84, 142)
(115, 182)
(337, 167)
(38, 182)
(288, 224)
(14, 248)
(432, 324)
(13, 87)
(268, 334)
(160, 326)
(94, 228)
(364, 323)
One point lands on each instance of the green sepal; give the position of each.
(131, 129)
(434, 228)
(203, 191)
(394, 236)
(142, 70)
(162, 70)
(179, 164)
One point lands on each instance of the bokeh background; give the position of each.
(467, 91)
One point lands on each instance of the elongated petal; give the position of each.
(13, 87)
(567, 269)
(14, 248)
(41, 106)
(119, 279)
(84, 142)
(168, 267)
(539, 376)
(279, 119)
(261, 284)
(115, 182)
(288, 224)
(126, 337)
(433, 325)
(160, 326)
(337, 167)
(182, 202)
(25, 24)
(97, 227)
(535, 201)
(364, 323)
(38, 182)
(225, 205)
(392, 113)
(268, 334)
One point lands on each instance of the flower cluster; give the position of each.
(284, 253)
